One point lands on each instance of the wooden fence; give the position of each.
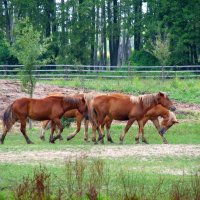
(48, 72)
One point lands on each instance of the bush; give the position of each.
(143, 58)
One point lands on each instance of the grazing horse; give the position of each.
(69, 114)
(169, 119)
(49, 108)
(122, 108)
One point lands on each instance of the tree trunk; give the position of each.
(137, 24)
(8, 26)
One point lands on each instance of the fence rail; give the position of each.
(48, 72)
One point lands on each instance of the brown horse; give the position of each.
(69, 114)
(50, 108)
(169, 119)
(122, 108)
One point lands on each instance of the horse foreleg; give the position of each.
(141, 124)
(60, 126)
(128, 125)
(23, 130)
(157, 125)
(86, 125)
(45, 125)
(78, 128)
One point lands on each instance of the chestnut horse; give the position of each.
(169, 119)
(122, 108)
(69, 114)
(50, 108)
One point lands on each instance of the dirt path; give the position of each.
(111, 152)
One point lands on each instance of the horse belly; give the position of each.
(121, 116)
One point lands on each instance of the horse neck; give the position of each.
(164, 113)
(69, 106)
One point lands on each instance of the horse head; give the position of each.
(164, 100)
(168, 122)
(83, 108)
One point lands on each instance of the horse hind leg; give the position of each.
(78, 128)
(59, 125)
(6, 129)
(45, 126)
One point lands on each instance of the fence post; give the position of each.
(163, 73)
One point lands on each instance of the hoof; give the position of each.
(110, 140)
(60, 138)
(69, 138)
(95, 143)
(51, 140)
(145, 141)
(29, 142)
(1, 142)
(137, 141)
(102, 141)
(100, 137)
(94, 140)
(86, 140)
(42, 138)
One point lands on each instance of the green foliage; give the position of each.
(27, 48)
(4, 49)
(143, 58)
(161, 49)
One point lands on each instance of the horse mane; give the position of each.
(172, 116)
(89, 97)
(71, 100)
(148, 99)
(134, 99)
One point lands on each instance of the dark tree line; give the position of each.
(105, 32)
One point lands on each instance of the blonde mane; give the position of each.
(148, 99)
(172, 116)
(134, 99)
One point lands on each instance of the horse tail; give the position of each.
(8, 118)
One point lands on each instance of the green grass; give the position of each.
(145, 174)
(182, 133)
(186, 90)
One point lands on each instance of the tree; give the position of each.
(27, 48)
(161, 49)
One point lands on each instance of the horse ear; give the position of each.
(161, 94)
(83, 99)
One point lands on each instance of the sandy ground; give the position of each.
(109, 152)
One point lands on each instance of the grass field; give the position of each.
(186, 90)
(119, 177)
(81, 170)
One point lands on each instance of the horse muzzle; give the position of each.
(173, 108)
(163, 131)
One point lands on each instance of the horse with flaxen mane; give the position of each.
(169, 119)
(122, 108)
(49, 108)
